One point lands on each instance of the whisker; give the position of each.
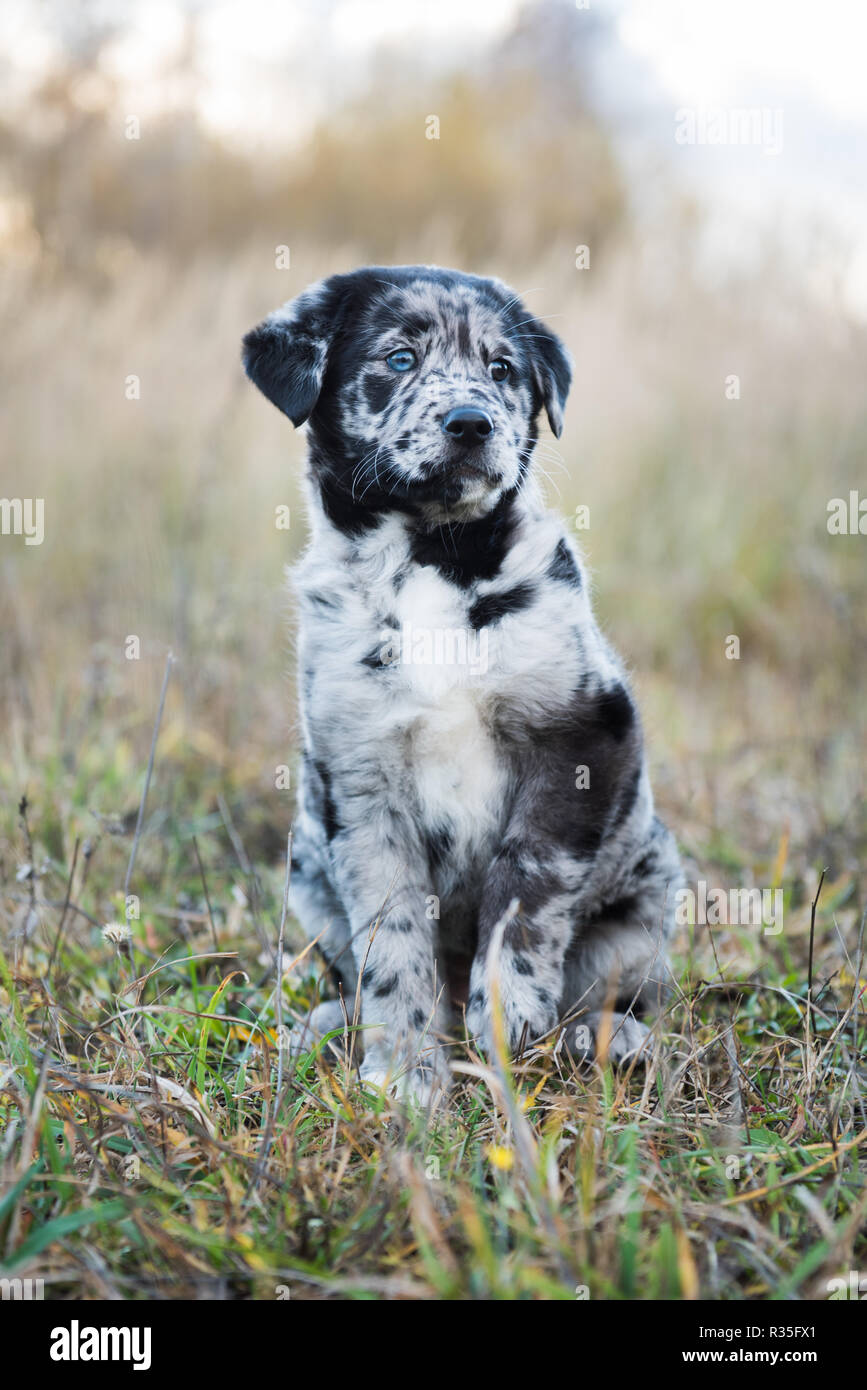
(375, 478)
(357, 472)
(555, 460)
(533, 319)
(528, 336)
(547, 475)
(518, 296)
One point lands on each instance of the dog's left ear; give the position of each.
(286, 355)
(552, 368)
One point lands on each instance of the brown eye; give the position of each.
(499, 369)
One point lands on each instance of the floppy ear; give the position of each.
(286, 355)
(552, 368)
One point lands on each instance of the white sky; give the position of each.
(716, 53)
(701, 52)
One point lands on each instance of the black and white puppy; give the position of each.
(473, 775)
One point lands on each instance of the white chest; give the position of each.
(445, 677)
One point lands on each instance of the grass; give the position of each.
(147, 1148)
(151, 1149)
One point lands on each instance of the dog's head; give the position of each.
(421, 386)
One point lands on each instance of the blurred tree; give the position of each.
(521, 162)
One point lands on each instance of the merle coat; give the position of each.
(474, 803)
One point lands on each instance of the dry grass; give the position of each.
(141, 1160)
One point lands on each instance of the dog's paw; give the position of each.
(422, 1082)
(523, 1021)
(324, 1018)
(619, 1038)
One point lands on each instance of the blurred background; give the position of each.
(172, 171)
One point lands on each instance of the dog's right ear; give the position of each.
(286, 355)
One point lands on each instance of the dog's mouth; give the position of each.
(460, 487)
(469, 485)
(455, 483)
(470, 471)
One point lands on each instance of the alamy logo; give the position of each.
(853, 1285)
(23, 516)
(75, 1343)
(745, 907)
(436, 646)
(761, 126)
(848, 516)
(22, 1289)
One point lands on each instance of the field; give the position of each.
(154, 1141)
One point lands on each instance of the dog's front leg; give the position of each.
(387, 900)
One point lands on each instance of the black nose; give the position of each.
(468, 424)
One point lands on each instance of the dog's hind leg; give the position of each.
(616, 967)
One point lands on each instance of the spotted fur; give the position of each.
(445, 811)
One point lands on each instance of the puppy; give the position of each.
(475, 812)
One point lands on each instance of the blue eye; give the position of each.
(401, 361)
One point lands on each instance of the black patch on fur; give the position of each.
(602, 735)
(329, 810)
(385, 987)
(628, 798)
(439, 845)
(373, 659)
(600, 732)
(616, 712)
(638, 1009)
(522, 964)
(381, 988)
(350, 516)
(563, 566)
(342, 984)
(398, 924)
(621, 910)
(490, 609)
(647, 864)
(522, 935)
(377, 393)
(468, 551)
